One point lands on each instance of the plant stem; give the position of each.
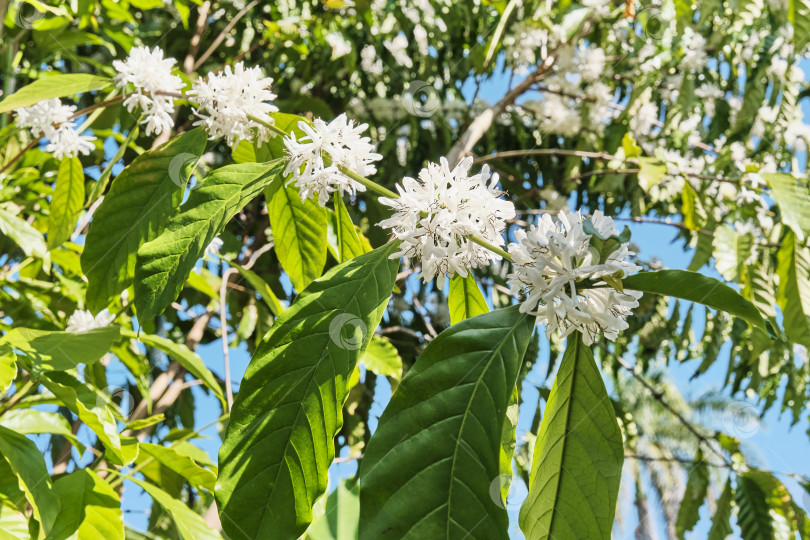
(29, 386)
(269, 125)
(373, 186)
(493, 249)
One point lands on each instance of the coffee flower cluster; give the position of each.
(436, 214)
(551, 262)
(52, 119)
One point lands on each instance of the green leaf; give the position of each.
(57, 351)
(697, 487)
(721, 522)
(94, 409)
(348, 242)
(799, 16)
(139, 203)
(703, 252)
(89, 508)
(793, 197)
(53, 87)
(690, 208)
(67, 201)
(13, 523)
(794, 289)
(280, 438)
(435, 456)
(299, 233)
(28, 465)
(753, 510)
(578, 455)
(261, 286)
(24, 235)
(190, 525)
(27, 421)
(165, 262)
(184, 356)
(339, 521)
(698, 288)
(651, 172)
(382, 358)
(98, 187)
(465, 299)
(8, 368)
(179, 463)
(731, 251)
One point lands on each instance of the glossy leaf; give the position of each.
(279, 442)
(190, 525)
(382, 358)
(89, 508)
(165, 262)
(8, 368)
(752, 504)
(137, 207)
(28, 421)
(697, 288)
(578, 455)
(465, 299)
(24, 235)
(66, 84)
(67, 201)
(429, 467)
(299, 233)
(57, 351)
(348, 242)
(794, 289)
(183, 465)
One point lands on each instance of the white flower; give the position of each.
(557, 115)
(600, 7)
(647, 115)
(399, 50)
(778, 68)
(436, 214)
(229, 98)
(369, 61)
(421, 37)
(149, 73)
(341, 139)
(83, 321)
(67, 142)
(694, 54)
(42, 117)
(340, 46)
(550, 258)
(591, 63)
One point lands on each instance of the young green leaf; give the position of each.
(465, 299)
(28, 465)
(382, 358)
(698, 288)
(435, 456)
(67, 201)
(348, 242)
(280, 438)
(8, 368)
(339, 519)
(89, 508)
(299, 233)
(183, 465)
(65, 84)
(57, 351)
(26, 421)
(794, 289)
(22, 233)
(190, 524)
(578, 455)
(165, 262)
(140, 202)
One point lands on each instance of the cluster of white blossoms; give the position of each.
(227, 100)
(52, 119)
(437, 213)
(151, 76)
(552, 258)
(315, 174)
(83, 321)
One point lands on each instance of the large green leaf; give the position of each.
(348, 241)
(279, 443)
(22, 233)
(28, 465)
(696, 488)
(264, 290)
(465, 299)
(430, 466)
(339, 520)
(89, 508)
(55, 86)
(139, 203)
(793, 197)
(184, 356)
(13, 524)
(753, 510)
(697, 288)
(57, 351)
(8, 368)
(799, 15)
(190, 525)
(165, 262)
(179, 463)
(94, 409)
(731, 251)
(67, 201)
(721, 521)
(382, 358)
(27, 421)
(299, 233)
(578, 455)
(794, 289)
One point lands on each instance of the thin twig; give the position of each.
(221, 37)
(223, 323)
